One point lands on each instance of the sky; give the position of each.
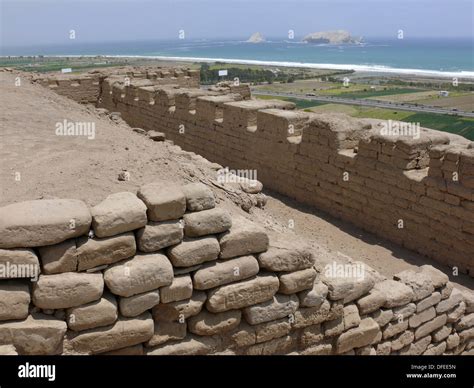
(44, 22)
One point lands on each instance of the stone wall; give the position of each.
(165, 271)
(86, 87)
(416, 192)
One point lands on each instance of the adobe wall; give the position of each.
(418, 193)
(86, 87)
(164, 271)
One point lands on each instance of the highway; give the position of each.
(368, 103)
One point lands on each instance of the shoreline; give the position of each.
(307, 65)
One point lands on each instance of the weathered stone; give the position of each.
(164, 201)
(384, 348)
(418, 281)
(441, 334)
(134, 350)
(435, 350)
(454, 299)
(167, 331)
(145, 272)
(270, 330)
(8, 350)
(456, 313)
(198, 197)
(125, 332)
(318, 350)
(244, 335)
(428, 302)
(242, 294)
(308, 316)
(430, 326)
(206, 323)
(243, 238)
(334, 327)
(347, 287)
(67, 290)
(118, 213)
(315, 296)
(293, 282)
(219, 273)
(358, 337)
(18, 263)
(397, 293)
(311, 335)
(14, 300)
(36, 335)
(59, 258)
(190, 346)
(276, 346)
(206, 222)
(446, 290)
(404, 339)
(422, 317)
(278, 307)
(404, 312)
(438, 278)
(416, 348)
(469, 300)
(466, 335)
(465, 322)
(394, 328)
(452, 341)
(382, 317)
(194, 251)
(181, 288)
(286, 255)
(156, 136)
(371, 302)
(351, 316)
(155, 236)
(179, 310)
(136, 305)
(366, 351)
(102, 312)
(54, 221)
(94, 252)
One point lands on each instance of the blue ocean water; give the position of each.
(435, 55)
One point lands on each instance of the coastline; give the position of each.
(326, 66)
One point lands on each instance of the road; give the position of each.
(368, 103)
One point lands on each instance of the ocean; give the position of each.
(442, 57)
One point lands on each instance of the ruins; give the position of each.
(166, 271)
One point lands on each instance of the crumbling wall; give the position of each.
(86, 87)
(416, 192)
(165, 271)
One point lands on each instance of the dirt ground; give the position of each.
(36, 163)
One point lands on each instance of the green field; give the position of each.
(379, 93)
(463, 126)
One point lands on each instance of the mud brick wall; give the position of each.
(416, 192)
(165, 271)
(86, 87)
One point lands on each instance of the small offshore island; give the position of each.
(332, 37)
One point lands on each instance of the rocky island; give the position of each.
(332, 37)
(257, 37)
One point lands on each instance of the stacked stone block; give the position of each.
(165, 271)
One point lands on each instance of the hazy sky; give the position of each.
(27, 23)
